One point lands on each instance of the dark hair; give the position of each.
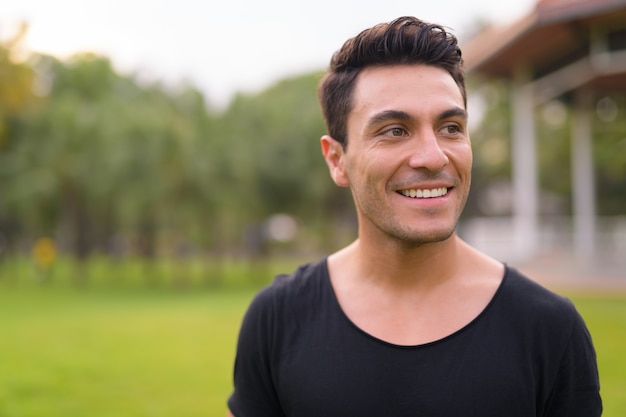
(406, 40)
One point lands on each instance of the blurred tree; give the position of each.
(610, 154)
(16, 84)
(17, 97)
(97, 157)
(489, 109)
(274, 147)
(105, 156)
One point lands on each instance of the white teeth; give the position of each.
(432, 193)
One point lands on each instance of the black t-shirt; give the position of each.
(527, 354)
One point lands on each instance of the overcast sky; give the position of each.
(228, 45)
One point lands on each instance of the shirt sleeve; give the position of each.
(254, 392)
(576, 392)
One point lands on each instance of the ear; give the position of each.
(334, 155)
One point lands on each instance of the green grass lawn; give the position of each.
(68, 352)
(605, 315)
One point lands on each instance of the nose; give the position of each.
(427, 152)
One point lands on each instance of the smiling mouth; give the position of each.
(428, 193)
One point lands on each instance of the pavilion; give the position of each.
(562, 47)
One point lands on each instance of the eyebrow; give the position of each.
(454, 112)
(387, 115)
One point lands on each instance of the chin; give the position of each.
(424, 237)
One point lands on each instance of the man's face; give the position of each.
(408, 159)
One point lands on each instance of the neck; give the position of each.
(394, 266)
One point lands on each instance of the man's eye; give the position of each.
(396, 131)
(451, 129)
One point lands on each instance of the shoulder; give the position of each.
(292, 291)
(518, 286)
(536, 305)
(303, 279)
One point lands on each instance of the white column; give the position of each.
(583, 178)
(524, 160)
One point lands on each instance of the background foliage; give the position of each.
(107, 163)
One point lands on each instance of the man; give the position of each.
(408, 320)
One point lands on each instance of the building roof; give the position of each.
(554, 35)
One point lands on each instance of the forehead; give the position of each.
(405, 86)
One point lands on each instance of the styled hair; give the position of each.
(403, 41)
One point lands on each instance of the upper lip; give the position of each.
(424, 183)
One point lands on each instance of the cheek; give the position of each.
(463, 158)
(371, 171)
(470, 159)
